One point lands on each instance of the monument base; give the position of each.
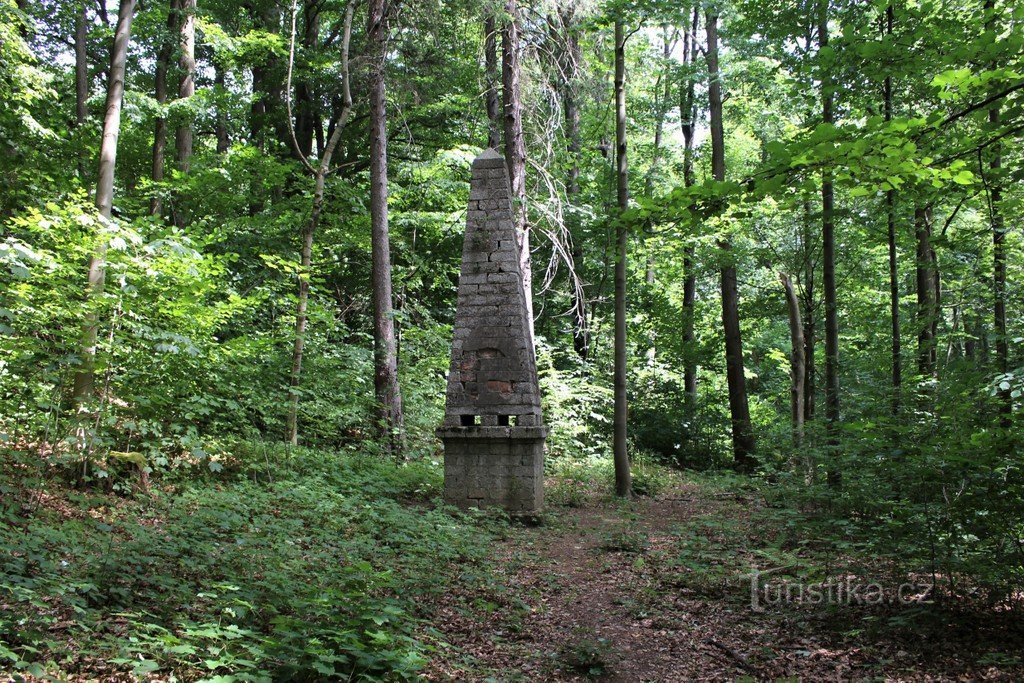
(494, 466)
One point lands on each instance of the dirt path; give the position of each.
(651, 592)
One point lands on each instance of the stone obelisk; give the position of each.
(493, 433)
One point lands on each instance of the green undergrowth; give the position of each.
(575, 482)
(288, 564)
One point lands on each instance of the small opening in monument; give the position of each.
(470, 420)
(503, 420)
(513, 420)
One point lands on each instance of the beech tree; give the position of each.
(85, 376)
(385, 353)
(319, 173)
(742, 431)
(623, 482)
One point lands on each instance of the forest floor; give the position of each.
(660, 590)
(196, 580)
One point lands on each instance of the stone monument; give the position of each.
(493, 433)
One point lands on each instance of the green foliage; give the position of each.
(624, 541)
(288, 563)
(586, 655)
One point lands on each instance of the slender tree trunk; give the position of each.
(742, 431)
(927, 290)
(954, 348)
(623, 478)
(661, 110)
(258, 110)
(688, 117)
(998, 251)
(385, 355)
(797, 370)
(894, 287)
(305, 111)
(266, 91)
(85, 376)
(163, 60)
(183, 136)
(187, 84)
(312, 225)
(570, 65)
(81, 76)
(828, 269)
(809, 317)
(515, 146)
(492, 97)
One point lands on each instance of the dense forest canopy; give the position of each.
(778, 237)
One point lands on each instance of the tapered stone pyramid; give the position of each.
(493, 429)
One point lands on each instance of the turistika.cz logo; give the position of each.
(768, 591)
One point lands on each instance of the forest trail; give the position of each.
(659, 590)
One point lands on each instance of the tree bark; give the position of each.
(661, 110)
(305, 113)
(385, 355)
(81, 75)
(927, 293)
(84, 383)
(809, 317)
(998, 253)
(894, 287)
(688, 119)
(797, 370)
(312, 225)
(515, 146)
(187, 84)
(742, 431)
(828, 269)
(163, 60)
(266, 91)
(623, 478)
(492, 98)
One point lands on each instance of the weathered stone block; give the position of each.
(493, 430)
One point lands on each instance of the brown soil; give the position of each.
(595, 594)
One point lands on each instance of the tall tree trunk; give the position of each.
(306, 257)
(85, 376)
(81, 75)
(623, 478)
(828, 268)
(688, 118)
(163, 61)
(305, 113)
(258, 109)
(809, 316)
(385, 355)
(186, 89)
(570, 66)
(998, 251)
(187, 84)
(492, 97)
(797, 371)
(742, 431)
(515, 146)
(927, 293)
(661, 109)
(894, 286)
(265, 89)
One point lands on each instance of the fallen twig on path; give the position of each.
(737, 657)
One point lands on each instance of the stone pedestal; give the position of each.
(500, 466)
(493, 431)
